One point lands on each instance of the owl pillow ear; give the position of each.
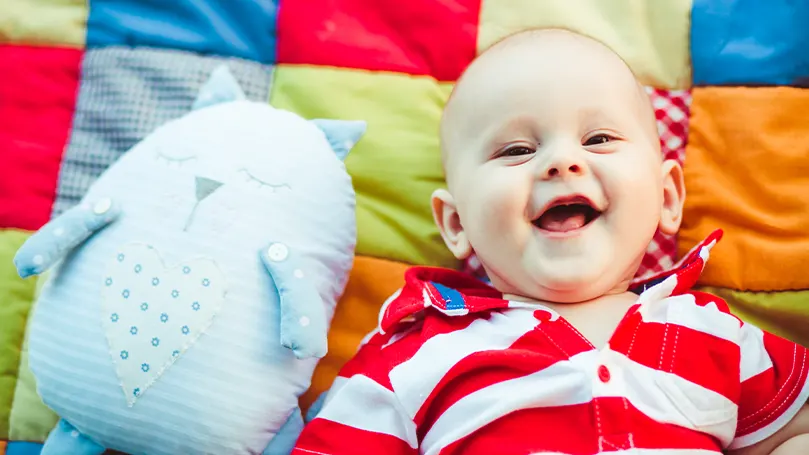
(221, 87)
(341, 134)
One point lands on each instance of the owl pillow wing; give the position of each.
(190, 293)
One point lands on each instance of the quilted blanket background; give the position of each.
(81, 82)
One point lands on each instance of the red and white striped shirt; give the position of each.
(455, 369)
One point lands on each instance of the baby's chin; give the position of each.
(573, 284)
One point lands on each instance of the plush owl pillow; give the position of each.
(191, 291)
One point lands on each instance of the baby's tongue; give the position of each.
(562, 218)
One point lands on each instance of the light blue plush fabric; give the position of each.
(193, 287)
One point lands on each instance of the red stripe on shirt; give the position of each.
(766, 396)
(699, 357)
(479, 370)
(331, 438)
(582, 429)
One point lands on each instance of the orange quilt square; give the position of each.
(747, 172)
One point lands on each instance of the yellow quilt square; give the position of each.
(16, 298)
(397, 164)
(651, 36)
(44, 22)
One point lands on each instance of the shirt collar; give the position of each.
(456, 294)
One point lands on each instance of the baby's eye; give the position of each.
(598, 139)
(517, 151)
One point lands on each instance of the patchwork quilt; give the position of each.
(82, 81)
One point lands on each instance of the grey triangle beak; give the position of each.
(206, 187)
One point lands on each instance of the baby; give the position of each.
(555, 180)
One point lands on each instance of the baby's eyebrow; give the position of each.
(593, 115)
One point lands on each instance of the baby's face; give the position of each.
(555, 172)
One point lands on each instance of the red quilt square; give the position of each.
(422, 37)
(38, 88)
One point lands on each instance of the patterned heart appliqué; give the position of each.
(153, 314)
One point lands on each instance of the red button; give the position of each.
(543, 315)
(603, 373)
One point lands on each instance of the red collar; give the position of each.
(456, 294)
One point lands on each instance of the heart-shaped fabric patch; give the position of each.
(153, 314)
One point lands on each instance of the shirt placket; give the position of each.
(612, 414)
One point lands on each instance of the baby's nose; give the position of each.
(555, 171)
(205, 187)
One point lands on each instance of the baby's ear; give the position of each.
(671, 214)
(446, 218)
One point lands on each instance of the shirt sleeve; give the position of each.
(774, 385)
(361, 414)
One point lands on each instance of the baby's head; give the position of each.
(554, 172)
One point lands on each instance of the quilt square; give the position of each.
(44, 22)
(229, 28)
(750, 42)
(125, 94)
(435, 38)
(16, 297)
(23, 448)
(747, 172)
(396, 166)
(652, 36)
(37, 95)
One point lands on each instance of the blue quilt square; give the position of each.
(23, 448)
(230, 28)
(750, 42)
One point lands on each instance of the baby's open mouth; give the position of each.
(567, 214)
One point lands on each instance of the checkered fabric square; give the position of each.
(672, 112)
(125, 94)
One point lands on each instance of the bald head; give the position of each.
(528, 63)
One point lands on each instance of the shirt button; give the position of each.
(603, 373)
(542, 315)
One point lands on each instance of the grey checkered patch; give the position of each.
(125, 94)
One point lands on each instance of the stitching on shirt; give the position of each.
(626, 410)
(309, 451)
(775, 397)
(632, 343)
(432, 294)
(576, 331)
(663, 347)
(603, 441)
(598, 417)
(786, 401)
(674, 349)
(542, 331)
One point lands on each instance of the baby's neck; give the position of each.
(595, 319)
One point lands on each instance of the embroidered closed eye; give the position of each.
(275, 187)
(170, 160)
